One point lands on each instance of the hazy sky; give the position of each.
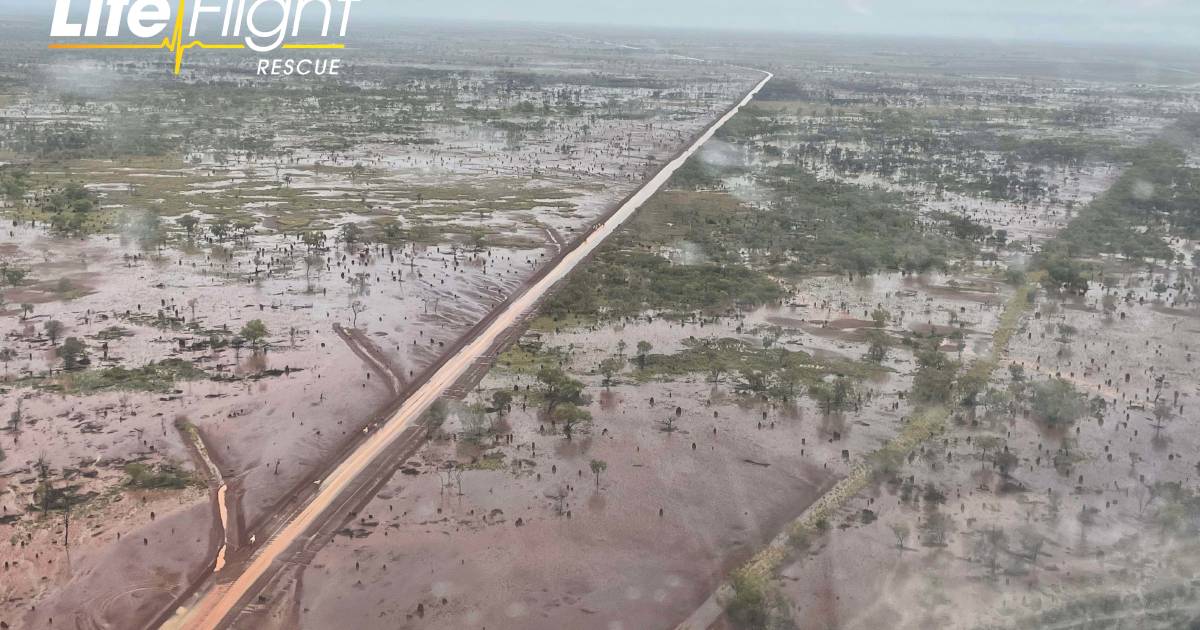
(1116, 21)
(1149, 21)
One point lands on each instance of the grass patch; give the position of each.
(165, 476)
(626, 283)
(493, 461)
(776, 371)
(529, 355)
(159, 377)
(1158, 196)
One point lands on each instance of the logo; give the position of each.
(262, 26)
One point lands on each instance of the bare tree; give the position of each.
(901, 532)
(356, 308)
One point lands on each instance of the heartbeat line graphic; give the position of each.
(177, 46)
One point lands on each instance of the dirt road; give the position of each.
(217, 606)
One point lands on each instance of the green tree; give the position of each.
(437, 413)
(7, 355)
(220, 229)
(598, 466)
(189, 223)
(501, 401)
(557, 388)
(934, 381)
(255, 332)
(13, 276)
(73, 352)
(54, 330)
(610, 367)
(1057, 402)
(643, 350)
(569, 416)
(350, 233)
(880, 345)
(880, 317)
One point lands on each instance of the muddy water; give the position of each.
(210, 612)
(612, 560)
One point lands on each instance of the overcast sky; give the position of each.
(1126, 21)
(1114, 21)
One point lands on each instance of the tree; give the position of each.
(356, 308)
(598, 466)
(1057, 402)
(570, 415)
(54, 330)
(934, 528)
(16, 419)
(559, 495)
(501, 401)
(901, 532)
(1017, 372)
(311, 261)
(393, 234)
(73, 353)
(610, 367)
(436, 415)
(835, 396)
(1109, 303)
(877, 352)
(313, 240)
(880, 317)
(474, 422)
(255, 332)
(6, 357)
(989, 546)
(970, 386)
(189, 223)
(934, 381)
(559, 389)
(220, 229)
(13, 276)
(1031, 543)
(643, 349)
(1062, 273)
(26, 311)
(350, 233)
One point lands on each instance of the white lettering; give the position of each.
(197, 9)
(302, 67)
(148, 18)
(116, 9)
(303, 4)
(279, 32)
(93, 20)
(346, 16)
(59, 26)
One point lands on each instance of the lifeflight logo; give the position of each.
(263, 25)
